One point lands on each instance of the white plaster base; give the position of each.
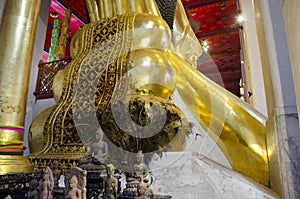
(186, 175)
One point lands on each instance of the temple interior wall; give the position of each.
(290, 11)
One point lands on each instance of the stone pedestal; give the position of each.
(189, 175)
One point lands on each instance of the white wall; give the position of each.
(253, 64)
(37, 56)
(281, 72)
(290, 11)
(283, 132)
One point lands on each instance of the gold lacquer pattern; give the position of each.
(99, 73)
(17, 181)
(61, 140)
(40, 163)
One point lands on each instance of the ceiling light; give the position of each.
(240, 18)
(205, 45)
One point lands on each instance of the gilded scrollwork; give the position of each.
(60, 130)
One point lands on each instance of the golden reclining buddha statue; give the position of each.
(133, 55)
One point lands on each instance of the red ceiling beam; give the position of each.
(225, 76)
(225, 54)
(199, 3)
(78, 8)
(221, 70)
(235, 28)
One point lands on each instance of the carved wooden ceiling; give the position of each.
(218, 28)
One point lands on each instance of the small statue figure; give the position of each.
(98, 150)
(46, 184)
(148, 191)
(140, 168)
(111, 183)
(142, 188)
(33, 192)
(75, 181)
(75, 192)
(56, 173)
(99, 147)
(138, 182)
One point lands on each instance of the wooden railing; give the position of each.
(47, 71)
